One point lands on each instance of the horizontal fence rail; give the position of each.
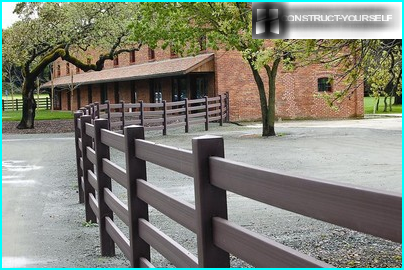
(364, 210)
(162, 116)
(16, 104)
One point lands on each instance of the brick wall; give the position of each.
(295, 95)
(295, 91)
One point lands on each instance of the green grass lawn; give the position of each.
(40, 115)
(370, 101)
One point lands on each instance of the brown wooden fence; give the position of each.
(162, 116)
(368, 211)
(16, 104)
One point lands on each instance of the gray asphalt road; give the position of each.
(43, 222)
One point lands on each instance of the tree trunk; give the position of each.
(390, 103)
(271, 73)
(29, 105)
(398, 100)
(267, 128)
(385, 104)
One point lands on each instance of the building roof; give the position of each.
(171, 67)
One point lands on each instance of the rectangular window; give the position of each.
(58, 71)
(77, 70)
(156, 95)
(104, 93)
(132, 56)
(201, 87)
(324, 84)
(152, 55)
(133, 97)
(90, 94)
(67, 68)
(179, 91)
(116, 92)
(116, 61)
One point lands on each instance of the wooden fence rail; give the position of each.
(162, 116)
(369, 211)
(16, 104)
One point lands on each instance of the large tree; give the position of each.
(70, 31)
(228, 26)
(225, 26)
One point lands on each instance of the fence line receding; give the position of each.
(162, 116)
(372, 212)
(16, 104)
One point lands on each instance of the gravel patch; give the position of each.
(43, 126)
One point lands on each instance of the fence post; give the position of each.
(164, 117)
(227, 107)
(186, 116)
(86, 140)
(88, 110)
(123, 114)
(97, 105)
(210, 201)
(92, 111)
(2, 101)
(47, 103)
(77, 135)
(103, 181)
(206, 113)
(135, 169)
(108, 114)
(221, 110)
(141, 113)
(16, 103)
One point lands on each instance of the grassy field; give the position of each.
(40, 115)
(370, 101)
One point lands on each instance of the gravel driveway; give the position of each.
(43, 223)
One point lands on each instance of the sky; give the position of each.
(8, 18)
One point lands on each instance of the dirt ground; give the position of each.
(43, 222)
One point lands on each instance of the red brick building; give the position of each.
(156, 75)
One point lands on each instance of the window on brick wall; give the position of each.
(156, 95)
(324, 84)
(116, 92)
(104, 93)
(116, 60)
(58, 71)
(133, 97)
(90, 94)
(77, 70)
(132, 56)
(67, 68)
(152, 55)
